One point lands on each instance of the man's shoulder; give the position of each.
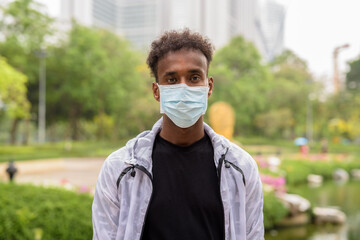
(115, 162)
(119, 155)
(239, 153)
(241, 158)
(125, 153)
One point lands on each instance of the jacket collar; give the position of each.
(140, 148)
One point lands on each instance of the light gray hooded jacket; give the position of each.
(124, 189)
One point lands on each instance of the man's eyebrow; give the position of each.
(195, 71)
(169, 73)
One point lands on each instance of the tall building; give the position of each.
(105, 13)
(271, 28)
(78, 10)
(141, 21)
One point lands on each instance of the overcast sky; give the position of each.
(313, 29)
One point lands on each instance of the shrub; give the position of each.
(298, 170)
(274, 210)
(47, 213)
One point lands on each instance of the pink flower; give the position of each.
(278, 183)
(63, 181)
(84, 189)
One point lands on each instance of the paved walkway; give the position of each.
(74, 171)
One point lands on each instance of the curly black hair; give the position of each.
(172, 41)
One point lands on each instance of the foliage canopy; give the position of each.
(13, 91)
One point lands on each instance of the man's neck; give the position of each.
(182, 136)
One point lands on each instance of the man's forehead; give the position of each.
(183, 57)
(185, 51)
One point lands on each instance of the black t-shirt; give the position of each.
(186, 202)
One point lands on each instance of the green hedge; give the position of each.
(30, 212)
(274, 210)
(59, 150)
(298, 170)
(27, 211)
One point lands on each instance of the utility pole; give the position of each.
(309, 113)
(336, 69)
(42, 96)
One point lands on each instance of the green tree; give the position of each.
(276, 122)
(344, 107)
(24, 23)
(353, 76)
(290, 66)
(13, 101)
(24, 28)
(93, 76)
(352, 106)
(292, 89)
(242, 81)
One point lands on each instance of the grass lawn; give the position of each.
(271, 146)
(103, 148)
(58, 150)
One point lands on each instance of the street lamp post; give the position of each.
(42, 96)
(309, 113)
(336, 69)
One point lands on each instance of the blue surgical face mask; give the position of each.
(183, 104)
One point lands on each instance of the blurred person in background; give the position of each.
(179, 180)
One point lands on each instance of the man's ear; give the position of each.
(156, 91)
(211, 85)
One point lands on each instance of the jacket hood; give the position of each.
(140, 148)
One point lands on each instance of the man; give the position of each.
(180, 180)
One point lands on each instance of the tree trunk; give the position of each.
(100, 124)
(74, 123)
(75, 130)
(13, 130)
(26, 132)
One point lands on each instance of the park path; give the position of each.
(77, 172)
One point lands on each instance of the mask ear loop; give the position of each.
(158, 87)
(207, 83)
(161, 109)
(208, 86)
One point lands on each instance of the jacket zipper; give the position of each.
(221, 160)
(228, 164)
(144, 170)
(133, 173)
(122, 174)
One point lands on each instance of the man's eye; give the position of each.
(195, 78)
(171, 80)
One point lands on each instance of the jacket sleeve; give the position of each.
(106, 207)
(254, 205)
